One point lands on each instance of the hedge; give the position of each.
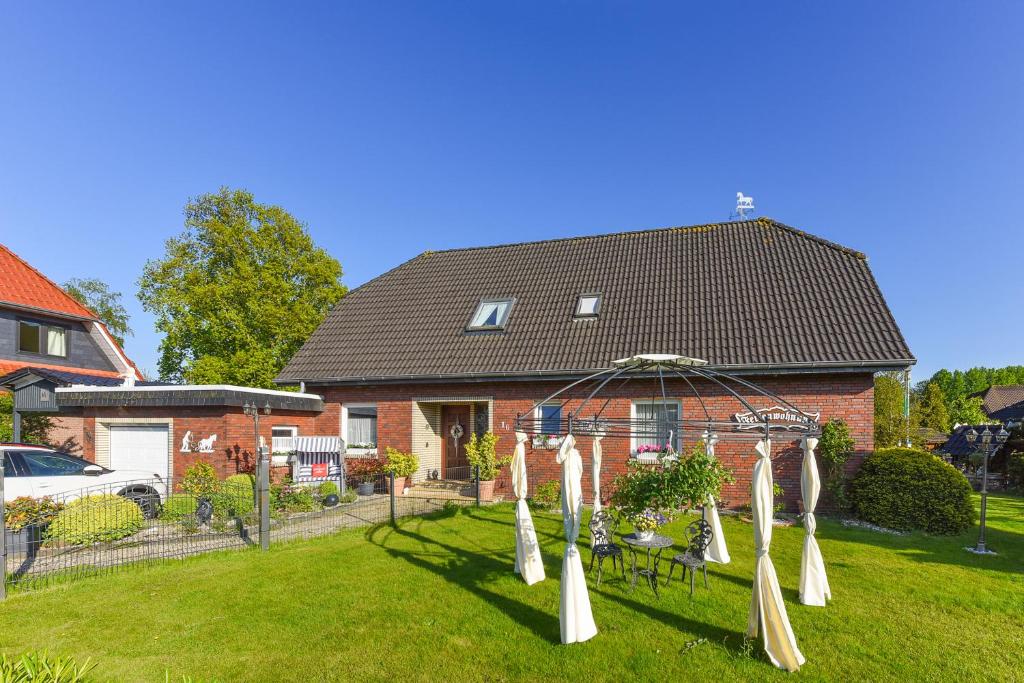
(908, 489)
(100, 517)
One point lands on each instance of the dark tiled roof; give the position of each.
(1004, 403)
(958, 445)
(751, 293)
(68, 378)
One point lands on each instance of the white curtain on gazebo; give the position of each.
(716, 552)
(767, 610)
(528, 560)
(814, 588)
(596, 475)
(574, 614)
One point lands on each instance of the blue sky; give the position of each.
(391, 128)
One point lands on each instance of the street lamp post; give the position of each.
(262, 472)
(986, 443)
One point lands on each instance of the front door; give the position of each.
(455, 420)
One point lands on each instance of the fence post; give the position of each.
(476, 479)
(3, 536)
(391, 488)
(263, 474)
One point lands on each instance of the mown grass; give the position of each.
(436, 599)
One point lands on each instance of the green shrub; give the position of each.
(41, 667)
(1015, 470)
(481, 452)
(399, 463)
(350, 496)
(95, 518)
(178, 506)
(327, 488)
(834, 448)
(903, 488)
(237, 496)
(547, 494)
(289, 497)
(200, 480)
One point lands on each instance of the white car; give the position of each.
(37, 471)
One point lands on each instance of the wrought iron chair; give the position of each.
(602, 532)
(698, 537)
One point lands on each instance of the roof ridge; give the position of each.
(60, 289)
(697, 228)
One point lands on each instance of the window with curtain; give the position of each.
(658, 418)
(56, 341)
(362, 427)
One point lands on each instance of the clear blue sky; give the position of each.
(392, 128)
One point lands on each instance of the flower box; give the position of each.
(548, 441)
(25, 542)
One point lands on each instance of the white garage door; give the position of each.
(141, 448)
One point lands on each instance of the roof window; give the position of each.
(588, 306)
(491, 314)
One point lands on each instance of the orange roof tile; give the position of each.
(23, 285)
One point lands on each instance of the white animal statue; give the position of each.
(206, 445)
(743, 204)
(186, 442)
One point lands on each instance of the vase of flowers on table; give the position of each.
(647, 523)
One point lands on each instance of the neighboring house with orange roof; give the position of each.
(43, 327)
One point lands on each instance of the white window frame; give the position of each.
(502, 321)
(633, 445)
(344, 428)
(579, 303)
(539, 415)
(291, 428)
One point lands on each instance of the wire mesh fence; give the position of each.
(92, 529)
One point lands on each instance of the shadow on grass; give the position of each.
(468, 570)
(1005, 512)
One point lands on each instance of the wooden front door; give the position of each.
(452, 456)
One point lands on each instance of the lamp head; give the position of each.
(1002, 435)
(971, 435)
(266, 408)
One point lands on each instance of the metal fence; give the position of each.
(100, 528)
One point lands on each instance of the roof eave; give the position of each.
(526, 375)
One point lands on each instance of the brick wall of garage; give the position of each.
(849, 397)
(235, 445)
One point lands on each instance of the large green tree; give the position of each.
(890, 420)
(97, 296)
(238, 292)
(930, 408)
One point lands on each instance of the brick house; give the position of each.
(477, 336)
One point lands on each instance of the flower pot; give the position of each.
(25, 542)
(399, 485)
(486, 490)
(643, 535)
(365, 488)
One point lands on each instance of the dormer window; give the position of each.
(491, 314)
(588, 306)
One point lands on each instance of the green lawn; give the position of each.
(435, 599)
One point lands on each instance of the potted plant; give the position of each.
(481, 454)
(25, 519)
(548, 441)
(401, 465)
(365, 471)
(647, 496)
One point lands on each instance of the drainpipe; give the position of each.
(906, 403)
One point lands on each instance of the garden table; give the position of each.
(654, 546)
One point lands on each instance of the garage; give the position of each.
(140, 447)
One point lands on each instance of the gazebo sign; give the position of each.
(786, 419)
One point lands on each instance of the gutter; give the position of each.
(754, 368)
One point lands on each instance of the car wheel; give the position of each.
(148, 501)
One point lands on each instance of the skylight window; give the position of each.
(588, 306)
(491, 314)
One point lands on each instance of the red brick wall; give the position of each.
(235, 446)
(849, 397)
